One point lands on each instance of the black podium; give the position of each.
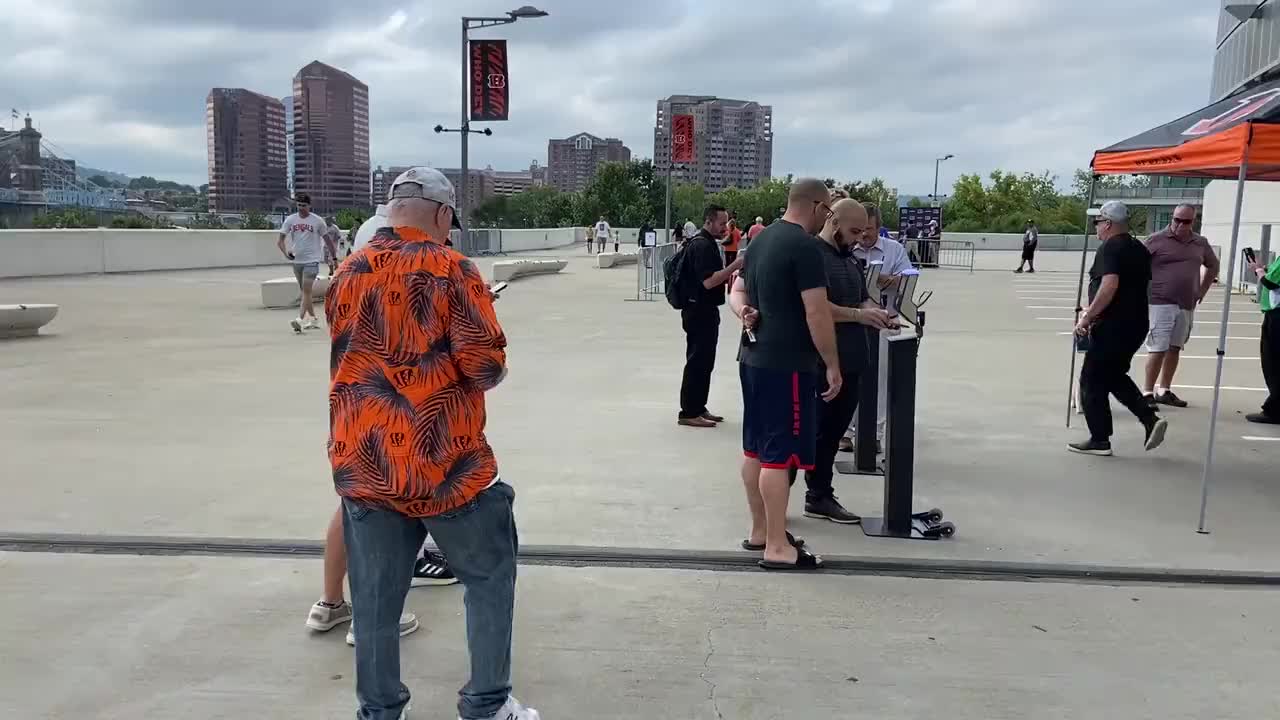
(865, 457)
(899, 520)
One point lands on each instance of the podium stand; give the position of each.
(864, 441)
(899, 474)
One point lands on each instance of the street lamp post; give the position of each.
(469, 23)
(937, 164)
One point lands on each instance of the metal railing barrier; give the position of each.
(649, 275)
(956, 254)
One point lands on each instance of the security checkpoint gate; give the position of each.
(649, 274)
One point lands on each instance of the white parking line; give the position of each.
(1202, 318)
(1198, 322)
(1207, 357)
(1259, 438)
(1224, 387)
(1193, 337)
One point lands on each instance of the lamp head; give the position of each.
(527, 11)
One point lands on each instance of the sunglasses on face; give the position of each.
(827, 212)
(1183, 221)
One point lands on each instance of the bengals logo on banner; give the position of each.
(681, 138)
(1245, 107)
(489, 81)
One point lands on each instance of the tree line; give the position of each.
(630, 194)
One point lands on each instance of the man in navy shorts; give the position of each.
(786, 285)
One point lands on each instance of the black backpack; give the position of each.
(675, 278)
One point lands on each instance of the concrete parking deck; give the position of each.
(169, 404)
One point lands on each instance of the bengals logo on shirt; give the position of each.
(408, 372)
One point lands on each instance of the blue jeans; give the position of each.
(480, 542)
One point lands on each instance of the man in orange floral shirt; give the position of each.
(416, 344)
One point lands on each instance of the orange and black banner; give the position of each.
(489, 92)
(681, 138)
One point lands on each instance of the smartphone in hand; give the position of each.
(497, 289)
(1250, 255)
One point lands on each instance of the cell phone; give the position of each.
(1250, 255)
(497, 289)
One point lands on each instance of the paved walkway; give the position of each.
(114, 638)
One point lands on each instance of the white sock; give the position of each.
(1160, 390)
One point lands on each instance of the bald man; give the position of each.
(785, 284)
(853, 311)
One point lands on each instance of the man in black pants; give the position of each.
(852, 309)
(1116, 322)
(701, 317)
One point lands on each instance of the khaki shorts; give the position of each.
(1170, 327)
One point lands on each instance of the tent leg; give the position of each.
(1222, 344)
(1084, 252)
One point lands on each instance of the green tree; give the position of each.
(66, 218)
(256, 220)
(351, 217)
(102, 181)
(613, 194)
(875, 191)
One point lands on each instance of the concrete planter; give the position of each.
(510, 270)
(614, 259)
(25, 320)
(284, 292)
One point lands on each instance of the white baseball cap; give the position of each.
(429, 184)
(1114, 210)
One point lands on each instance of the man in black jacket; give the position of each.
(701, 317)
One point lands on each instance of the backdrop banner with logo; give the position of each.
(489, 91)
(1237, 137)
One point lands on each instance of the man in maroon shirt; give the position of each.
(1177, 286)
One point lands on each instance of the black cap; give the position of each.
(302, 198)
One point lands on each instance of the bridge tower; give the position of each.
(30, 171)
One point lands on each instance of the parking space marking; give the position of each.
(1259, 438)
(1224, 387)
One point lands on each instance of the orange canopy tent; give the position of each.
(1237, 137)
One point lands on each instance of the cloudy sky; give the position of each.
(859, 88)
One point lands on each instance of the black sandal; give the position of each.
(795, 543)
(805, 560)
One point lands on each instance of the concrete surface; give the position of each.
(25, 320)
(169, 404)
(122, 638)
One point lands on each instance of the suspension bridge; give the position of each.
(34, 173)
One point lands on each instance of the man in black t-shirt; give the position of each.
(1116, 323)
(786, 285)
(701, 318)
(853, 310)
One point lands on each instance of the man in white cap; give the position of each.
(416, 344)
(1116, 322)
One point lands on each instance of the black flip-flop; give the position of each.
(795, 543)
(805, 560)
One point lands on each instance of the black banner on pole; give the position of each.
(489, 91)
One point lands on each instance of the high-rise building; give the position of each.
(479, 185)
(331, 138)
(732, 143)
(572, 162)
(248, 161)
(512, 182)
(288, 134)
(380, 181)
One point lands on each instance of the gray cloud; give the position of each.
(873, 87)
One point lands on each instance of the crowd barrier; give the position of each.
(649, 275)
(957, 254)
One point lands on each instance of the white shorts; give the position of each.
(1170, 327)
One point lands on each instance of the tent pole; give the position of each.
(1084, 252)
(1222, 339)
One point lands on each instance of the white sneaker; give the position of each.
(323, 618)
(408, 624)
(297, 325)
(312, 324)
(513, 710)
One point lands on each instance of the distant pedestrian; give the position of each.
(602, 231)
(677, 234)
(591, 238)
(731, 241)
(1030, 239)
(1183, 270)
(306, 242)
(1269, 302)
(1116, 322)
(754, 230)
